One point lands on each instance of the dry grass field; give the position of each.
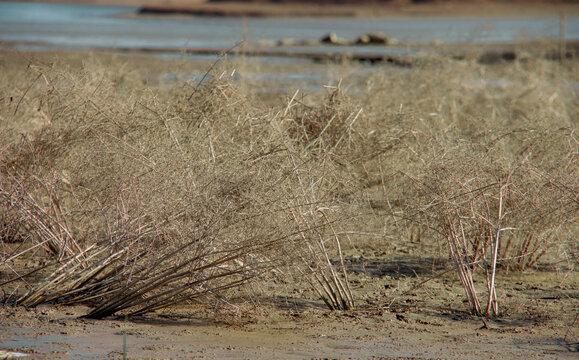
(367, 211)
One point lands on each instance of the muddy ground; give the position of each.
(405, 311)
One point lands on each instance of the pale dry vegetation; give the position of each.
(144, 199)
(138, 197)
(491, 164)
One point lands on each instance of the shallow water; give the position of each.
(68, 26)
(95, 345)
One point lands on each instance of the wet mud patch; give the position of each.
(427, 321)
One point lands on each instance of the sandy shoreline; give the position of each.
(396, 9)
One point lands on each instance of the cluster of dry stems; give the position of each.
(143, 198)
(142, 205)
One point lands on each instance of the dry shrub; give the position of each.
(146, 199)
(34, 208)
(315, 254)
(451, 137)
(493, 211)
(325, 127)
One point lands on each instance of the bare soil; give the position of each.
(405, 312)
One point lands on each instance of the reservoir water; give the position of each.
(26, 25)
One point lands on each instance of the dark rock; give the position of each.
(373, 39)
(333, 39)
(497, 56)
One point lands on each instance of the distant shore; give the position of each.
(395, 9)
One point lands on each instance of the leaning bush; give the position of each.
(144, 200)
